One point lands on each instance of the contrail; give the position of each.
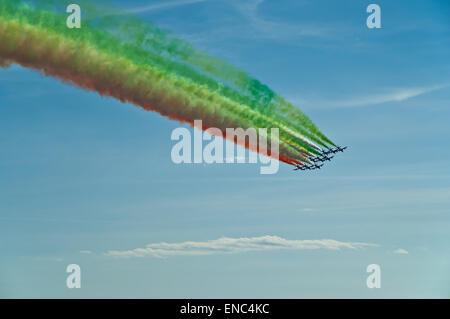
(155, 71)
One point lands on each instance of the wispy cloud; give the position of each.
(276, 30)
(163, 5)
(394, 95)
(389, 95)
(227, 245)
(401, 251)
(271, 29)
(247, 22)
(87, 252)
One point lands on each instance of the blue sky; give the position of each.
(82, 175)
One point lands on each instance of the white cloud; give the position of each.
(401, 251)
(396, 95)
(388, 95)
(88, 252)
(227, 245)
(163, 5)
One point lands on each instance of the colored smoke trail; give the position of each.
(154, 71)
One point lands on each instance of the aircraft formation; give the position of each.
(320, 159)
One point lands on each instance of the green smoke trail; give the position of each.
(108, 43)
(148, 56)
(91, 69)
(255, 93)
(201, 90)
(144, 43)
(268, 101)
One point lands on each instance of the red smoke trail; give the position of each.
(78, 65)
